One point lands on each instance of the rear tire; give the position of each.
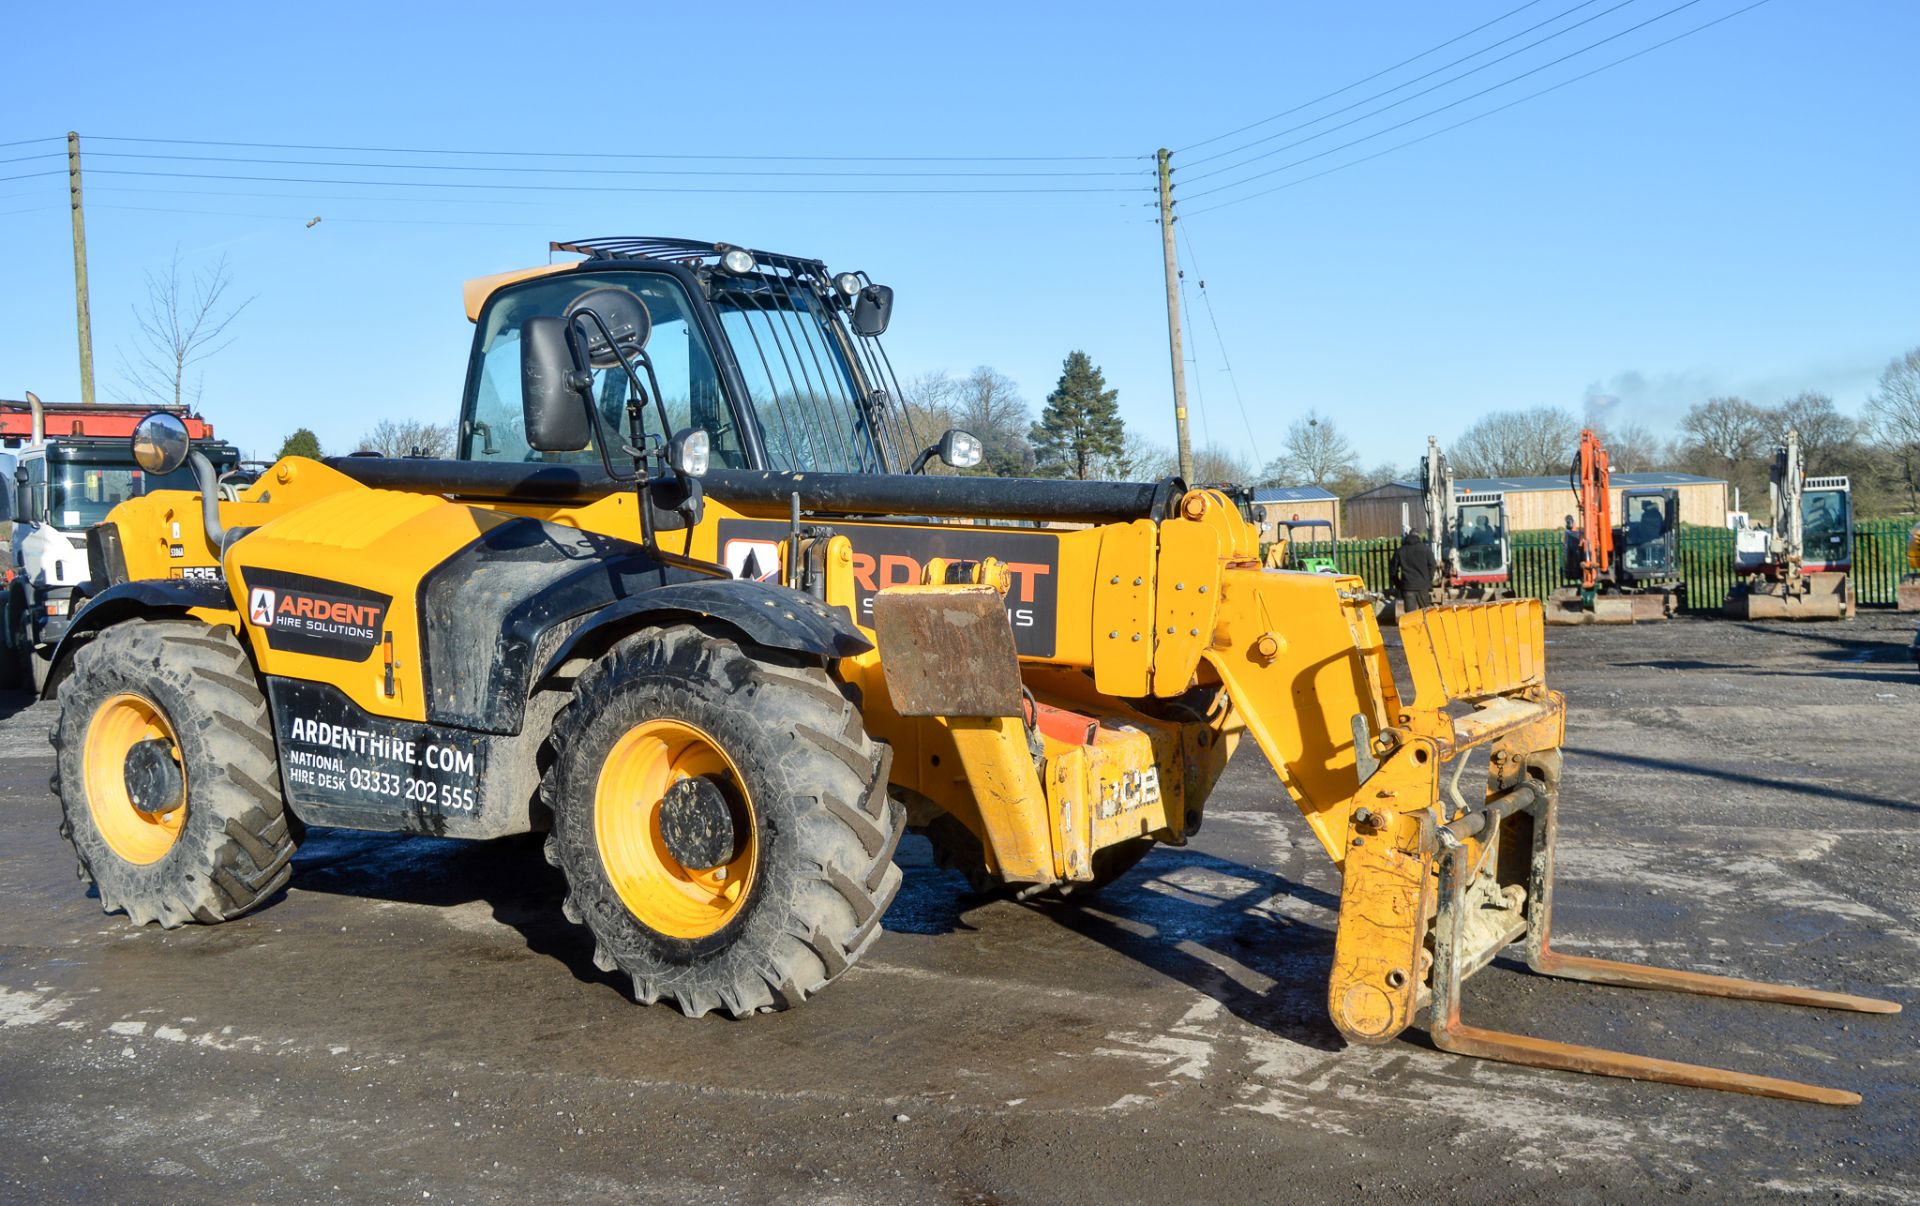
(805, 802)
(189, 687)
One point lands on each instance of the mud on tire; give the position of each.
(233, 849)
(823, 830)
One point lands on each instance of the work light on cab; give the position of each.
(736, 262)
(847, 284)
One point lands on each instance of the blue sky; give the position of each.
(1731, 213)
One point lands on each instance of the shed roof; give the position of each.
(1267, 494)
(1630, 481)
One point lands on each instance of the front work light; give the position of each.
(737, 262)
(689, 452)
(847, 284)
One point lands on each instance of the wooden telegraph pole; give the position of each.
(81, 309)
(1164, 159)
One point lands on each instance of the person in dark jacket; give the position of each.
(1413, 573)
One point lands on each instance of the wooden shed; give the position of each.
(1274, 505)
(1384, 511)
(1545, 502)
(1533, 503)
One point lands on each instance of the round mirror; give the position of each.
(160, 443)
(626, 317)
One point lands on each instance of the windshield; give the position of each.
(1478, 541)
(82, 489)
(1824, 528)
(1647, 535)
(809, 398)
(493, 421)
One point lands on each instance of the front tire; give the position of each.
(722, 821)
(167, 712)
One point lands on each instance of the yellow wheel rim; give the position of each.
(662, 894)
(119, 724)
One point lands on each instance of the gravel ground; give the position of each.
(414, 1021)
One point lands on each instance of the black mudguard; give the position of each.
(132, 600)
(773, 616)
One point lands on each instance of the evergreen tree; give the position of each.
(1080, 430)
(301, 443)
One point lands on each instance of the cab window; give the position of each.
(494, 423)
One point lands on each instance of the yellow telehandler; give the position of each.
(683, 603)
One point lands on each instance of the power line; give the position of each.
(1388, 71)
(25, 158)
(295, 146)
(27, 141)
(583, 171)
(1439, 109)
(583, 188)
(1476, 117)
(31, 175)
(1412, 96)
(305, 195)
(221, 213)
(1253, 443)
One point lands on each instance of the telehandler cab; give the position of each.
(681, 608)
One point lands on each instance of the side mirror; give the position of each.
(872, 312)
(961, 449)
(161, 443)
(626, 320)
(553, 389)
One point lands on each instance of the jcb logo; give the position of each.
(260, 608)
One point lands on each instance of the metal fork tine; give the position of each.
(1634, 975)
(1453, 963)
(1571, 1057)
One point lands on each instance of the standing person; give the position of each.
(1413, 573)
(1574, 553)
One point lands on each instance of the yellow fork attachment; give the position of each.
(1490, 656)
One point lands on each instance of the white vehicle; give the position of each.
(61, 487)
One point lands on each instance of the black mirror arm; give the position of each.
(927, 454)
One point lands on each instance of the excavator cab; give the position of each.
(1480, 539)
(1648, 535)
(1826, 518)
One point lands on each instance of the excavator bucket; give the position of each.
(1817, 596)
(1482, 881)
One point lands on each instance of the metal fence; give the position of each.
(1705, 558)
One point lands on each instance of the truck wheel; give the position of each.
(166, 776)
(722, 820)
(957, 849)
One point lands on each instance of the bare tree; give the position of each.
(1142, 460)
(1314, 453)
(408, 437)
(182, 323)
(1894, 412)
(1825, 433)
(1726, 433)
(1631, 448)
(1217, 466)
(988, 403)
(1517, 443)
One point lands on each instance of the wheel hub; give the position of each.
(155, 785)
(696, 822)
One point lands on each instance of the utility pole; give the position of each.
(81, 311)
(1165, 162)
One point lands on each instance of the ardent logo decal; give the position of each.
(886, 556)
(303, 614)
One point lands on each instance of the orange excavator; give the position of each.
(1616, 574)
